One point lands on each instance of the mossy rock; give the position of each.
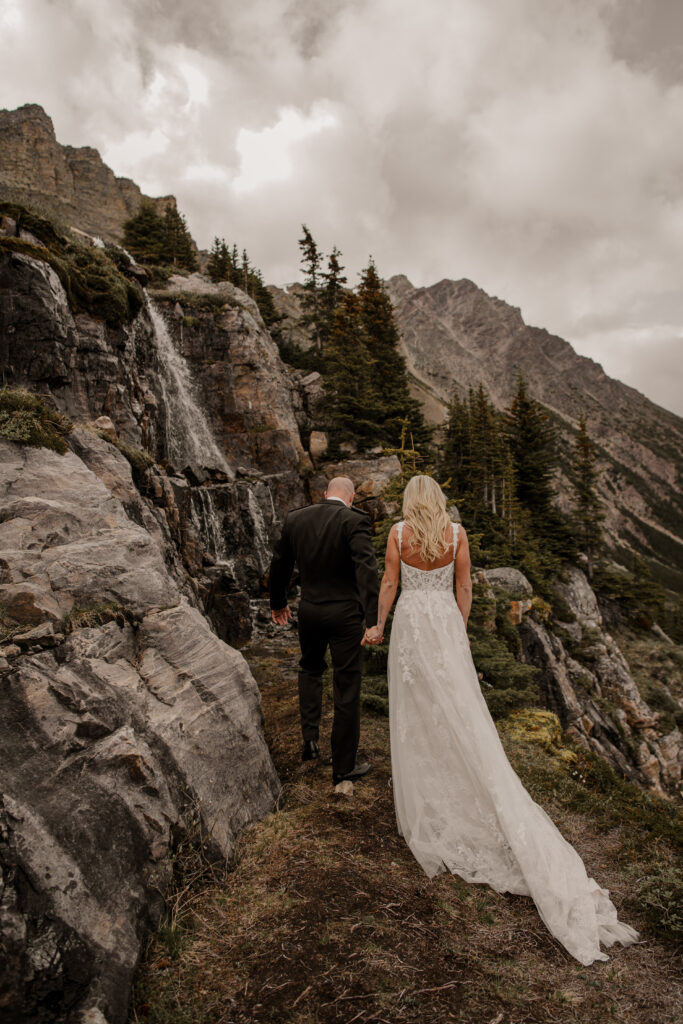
(20, 245)
(89, 616)
(540, 727)
(27, 419)
(139, 459)
(94, 279)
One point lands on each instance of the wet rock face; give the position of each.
(124, 723)
(242, 384)
(209, 391)
(88, 369)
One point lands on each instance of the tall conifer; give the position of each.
(393, 390)
(350, 400)
(178, 250)
(311, 259)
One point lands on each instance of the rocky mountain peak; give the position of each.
(70, 182)
(456, 336)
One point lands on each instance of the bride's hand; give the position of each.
(373, 635)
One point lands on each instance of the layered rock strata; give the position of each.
(585, 679)
(71, 183)
(125, 723)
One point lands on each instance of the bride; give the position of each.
(459, 803)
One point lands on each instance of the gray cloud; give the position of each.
(535, 148)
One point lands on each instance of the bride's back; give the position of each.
(409, 552)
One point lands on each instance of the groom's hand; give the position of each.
(373, 635)
(281, 617)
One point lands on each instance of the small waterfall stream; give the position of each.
(188, 435)
(234, 518)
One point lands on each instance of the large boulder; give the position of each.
(125, 723)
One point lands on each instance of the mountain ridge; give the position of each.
(72, 183)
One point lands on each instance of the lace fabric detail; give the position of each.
(459, 803)
(413, 578)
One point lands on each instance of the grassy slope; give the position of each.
(327, 917)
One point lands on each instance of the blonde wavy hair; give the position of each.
(424, 511)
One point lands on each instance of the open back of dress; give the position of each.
(459, 803)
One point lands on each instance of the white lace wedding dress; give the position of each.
(459, 803)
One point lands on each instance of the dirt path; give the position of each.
(326, 917)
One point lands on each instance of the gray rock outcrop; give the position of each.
(585, 679)
(125, 724)
(72, 182)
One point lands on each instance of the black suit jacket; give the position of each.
(331, 545)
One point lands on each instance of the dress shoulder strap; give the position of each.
(455, 537)
(399, 533)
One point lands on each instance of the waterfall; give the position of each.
(234, 520)
(188, 435)
(261, 539)
(208, 522)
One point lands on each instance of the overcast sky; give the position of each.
(534, 146)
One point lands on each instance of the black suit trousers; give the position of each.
(338, 625)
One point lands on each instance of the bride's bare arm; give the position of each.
(392, 571)
(463, 579)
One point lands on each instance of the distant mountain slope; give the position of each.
(71, 183)
(454, 335)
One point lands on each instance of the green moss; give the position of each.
(37, 252)
(88, 616)
(27, 419)
(661, 894)
(590, 785)
(655, 696)
(140, 460)
(93, 279)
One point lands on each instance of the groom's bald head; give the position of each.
(341, 487)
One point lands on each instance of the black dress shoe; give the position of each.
(311, 751)
(356, 772)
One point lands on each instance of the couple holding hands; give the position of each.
(459, 803)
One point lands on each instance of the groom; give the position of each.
(331, 543)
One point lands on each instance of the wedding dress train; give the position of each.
(459, 803)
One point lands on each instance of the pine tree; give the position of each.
(177, 249)
(235, 272)
(349, 378)
(332, 291)
(393, 390)
(532, 438)
(311, 300)
(218, 266)
(533, 443)
(144, 235)
(583, 477)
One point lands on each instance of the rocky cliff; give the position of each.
(128, 723)
(584, 678)
(71, 183)
(455, 336)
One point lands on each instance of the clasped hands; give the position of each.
(373, 635)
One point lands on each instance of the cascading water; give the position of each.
(234, 518)
(189, 440)
(209, 522)
(261, 539)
